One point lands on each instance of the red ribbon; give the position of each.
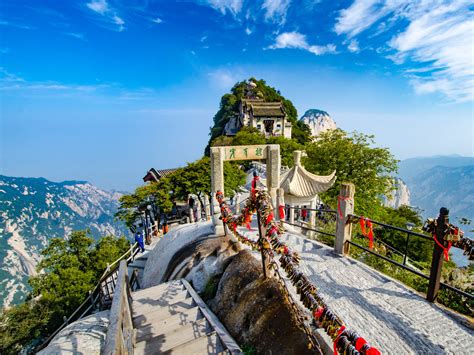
(272, 230)
(318, 312)
(445, 249)
(359, 343)
(372, 351)
(339, 199)
(365, 222)
(281, 211)
(254, 184)
(269, 218)
(339, 332)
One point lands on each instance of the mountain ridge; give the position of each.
(34, 210)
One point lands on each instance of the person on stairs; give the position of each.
(139, 240)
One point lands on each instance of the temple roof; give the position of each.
(261, 108)
(155, 175)
(301, 183)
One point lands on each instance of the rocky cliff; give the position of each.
(400, 196)
(34, 210)
(318, 121)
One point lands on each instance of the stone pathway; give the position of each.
(386, 313)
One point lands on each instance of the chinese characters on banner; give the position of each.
(245, 152)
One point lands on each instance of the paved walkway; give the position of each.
(386, 313)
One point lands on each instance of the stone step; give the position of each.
(166, 325)
(209, 344)
(173, 286)
(159, 310)
(164, 342)
(166, 298)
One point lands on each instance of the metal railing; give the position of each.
(403, 264)
(100, 297)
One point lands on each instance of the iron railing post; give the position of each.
(437, 262)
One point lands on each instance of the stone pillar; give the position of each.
(198, 211)
(292, 214)
(345, 207)
(273, 171)
(237, 203)
(217, 184)
(191, 215)
(312, 217)
(207, 207)
(280, 202)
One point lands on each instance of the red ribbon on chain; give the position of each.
(281, 211)
(445, 249)
(339, 332)
(269, 218)
(254, 185)
(339, 199)
(248, 220)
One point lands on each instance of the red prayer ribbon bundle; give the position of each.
(365, 222)
(281, 211)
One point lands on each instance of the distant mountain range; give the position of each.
(34, 210)
(441, 181)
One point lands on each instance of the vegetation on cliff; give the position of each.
(69, 269)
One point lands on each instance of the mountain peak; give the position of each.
(318, 121)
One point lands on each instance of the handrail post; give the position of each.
(345, 207)
(261, 232)
(437, 262)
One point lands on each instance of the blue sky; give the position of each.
(102, 90)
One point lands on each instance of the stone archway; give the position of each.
(268, 152)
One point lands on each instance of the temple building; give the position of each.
(154, 175)
(269, 118)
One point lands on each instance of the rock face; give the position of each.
(32, 211)
(191, 252)
(254, 310)
(318, 121)
(86, 336)
(400, 196)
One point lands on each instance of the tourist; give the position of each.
(304, 213)
(139, 241)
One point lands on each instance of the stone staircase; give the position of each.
(172, 318)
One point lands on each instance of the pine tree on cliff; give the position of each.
(229, 107)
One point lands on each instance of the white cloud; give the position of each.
(248, 31)
(438, 35)
(17, 25)
(157, 20)
(353, 46)
(103, 8)
(298, 40)
(99, 6)
(233, 6)
(275, 10)
(75, 35)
